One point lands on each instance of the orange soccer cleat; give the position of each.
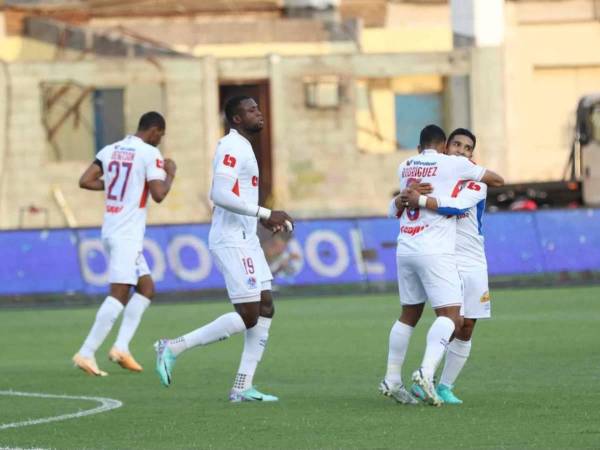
(125, 360)
(88, 365)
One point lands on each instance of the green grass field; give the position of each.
(532, 381)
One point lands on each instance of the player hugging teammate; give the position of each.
(440, 259)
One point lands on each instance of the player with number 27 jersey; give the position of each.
(128, 166)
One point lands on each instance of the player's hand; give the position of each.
(422, 188)
(272, 227)
(410, 198)
(280, 218)
(170, 167)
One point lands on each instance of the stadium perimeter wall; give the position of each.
(321, 252)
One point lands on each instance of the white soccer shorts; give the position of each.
(432, 278)
(126, 262)
(477, 303)
(246, 272)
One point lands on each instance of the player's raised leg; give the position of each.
(218, 330)
(132, 315)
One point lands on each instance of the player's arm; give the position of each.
(223, 195)
(92, 177)
(468, 197)
(159, 188)
(492, 179)
(467, 170)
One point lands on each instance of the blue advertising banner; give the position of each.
(335, 251)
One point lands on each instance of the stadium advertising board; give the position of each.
(335, 251)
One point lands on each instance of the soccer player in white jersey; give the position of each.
(467, 202)
(426, 263)
(127, 171)
(237, 253)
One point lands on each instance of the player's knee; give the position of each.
(267, 307)
(147, 291)
(410, 316)
(458, 322)
(465, 333)
(250, 320)
(267, 310)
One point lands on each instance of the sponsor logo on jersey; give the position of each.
(254, 180)
(160, 163)
(251, 282)
(113, 209)
(412, 230)
(485, 298)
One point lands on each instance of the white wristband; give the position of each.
(263, 213)
(422, 201)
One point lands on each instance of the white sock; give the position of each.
(399, 338)
(437, 340)
(219, 329)
(255, 341)
(456, 357)
(105, 319)
(132, 315)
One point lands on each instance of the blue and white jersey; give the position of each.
(468, 205)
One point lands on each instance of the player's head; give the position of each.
(432, 137)
(242, 113)
(151, 128)
(461, 142)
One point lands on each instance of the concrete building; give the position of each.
(337, 97)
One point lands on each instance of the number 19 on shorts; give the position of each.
(248, 265)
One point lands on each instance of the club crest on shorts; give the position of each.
(251, 282)
(485, 297)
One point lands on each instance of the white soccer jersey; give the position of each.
(426, 232)
(234, 158)
(468, 204)
(128, 166)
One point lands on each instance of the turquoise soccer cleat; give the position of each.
(250, 395)
(417, 392)
(165, 361)
(446, 394)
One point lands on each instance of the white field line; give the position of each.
(106, 404)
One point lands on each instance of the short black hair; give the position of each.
(430, 136)
(151, 119)
(463, 132)
(232, 105)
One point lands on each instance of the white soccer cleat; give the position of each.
(428, 387)
(398, 393)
